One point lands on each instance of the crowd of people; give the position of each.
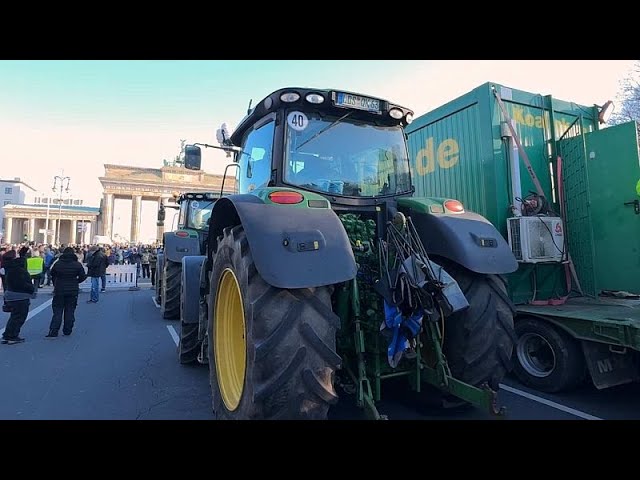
(27, 267)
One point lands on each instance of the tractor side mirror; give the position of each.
(192, 157)
(161, 216)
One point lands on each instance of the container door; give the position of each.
(577, 214)
(613, 171)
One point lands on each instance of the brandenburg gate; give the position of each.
(158, 184)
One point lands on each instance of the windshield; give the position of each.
(345, 157)
(198, 214)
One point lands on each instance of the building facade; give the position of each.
(157, 184)
(13, 192)
(50, 224)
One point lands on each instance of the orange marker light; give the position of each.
(454, 206)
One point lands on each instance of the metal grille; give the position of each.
(516, 244)
(572, 150)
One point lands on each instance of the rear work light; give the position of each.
(286, 198)
(182, 234)
(454, 206)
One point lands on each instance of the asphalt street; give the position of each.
(120, 363)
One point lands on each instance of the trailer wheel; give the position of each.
(272, 352)
(546, 358)
(170, 306)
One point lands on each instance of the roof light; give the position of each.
(409, 118)
(396, 113)
(314, 98)
(454, 206)
(285, 197)
(289, 97)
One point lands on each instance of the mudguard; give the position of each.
(468, 239)
(292, 247)
(190, 296)
(177, 247)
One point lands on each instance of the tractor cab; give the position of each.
(195, 210)
(349, 148)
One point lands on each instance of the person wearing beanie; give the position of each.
(66, 273)
(18, 295)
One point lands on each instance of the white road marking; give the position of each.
(35, 311)
(549, 403)
(154, 301)
(174, 334)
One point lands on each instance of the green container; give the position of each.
(458, 151)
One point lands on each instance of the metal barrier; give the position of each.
(118, 276)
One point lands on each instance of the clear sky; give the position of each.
(78, 115)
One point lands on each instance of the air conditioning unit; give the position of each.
(536, 239)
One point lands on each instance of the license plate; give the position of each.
(355, 101)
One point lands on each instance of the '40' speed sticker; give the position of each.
(297, 120)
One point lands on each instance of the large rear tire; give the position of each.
(170, 305)
(479, 341)
(272, 352)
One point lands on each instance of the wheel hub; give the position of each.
(536, 355)
(230, 346)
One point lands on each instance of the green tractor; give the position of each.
(190, 238)
(325, 273)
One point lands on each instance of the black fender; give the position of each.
(292, 247)
(191, 268)
(177, 247)
(467, 239)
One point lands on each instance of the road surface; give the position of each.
(120, 363)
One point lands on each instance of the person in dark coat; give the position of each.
(67, 273)
(20, 290)
(96, 268)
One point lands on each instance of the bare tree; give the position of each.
(628, 98)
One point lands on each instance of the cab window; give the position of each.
(255, 159)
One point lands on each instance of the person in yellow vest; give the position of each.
(35, 267)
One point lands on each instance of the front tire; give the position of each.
(170, 306)
(272, 351)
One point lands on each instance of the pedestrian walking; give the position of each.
(17, 296)
(67, 274)
(96, 268)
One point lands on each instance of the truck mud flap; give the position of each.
(610, 365)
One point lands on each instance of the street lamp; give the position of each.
(59, 187)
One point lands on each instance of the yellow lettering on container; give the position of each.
(448, 153)
(425, 153)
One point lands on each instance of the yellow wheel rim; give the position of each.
(230, 343)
